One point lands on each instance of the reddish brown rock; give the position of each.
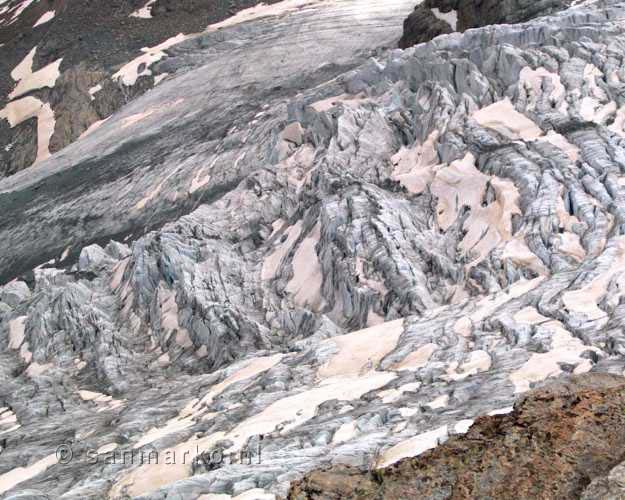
(553, 445)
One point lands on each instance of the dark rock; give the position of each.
(422, 25)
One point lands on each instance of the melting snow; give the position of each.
(129, 73)
(10, 479)
(251, 369)
(29, 80)
(413, 447)
(503, 118)
(47, 17)
(450, 18)
(144, 12)
(307, 275)
(261, 10)
(564, 349)
(361, 351)
(417, 359)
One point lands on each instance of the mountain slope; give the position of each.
(90, 42)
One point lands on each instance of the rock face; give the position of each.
(423, 25)
(557, 440)
(305, 249)
(432, 18)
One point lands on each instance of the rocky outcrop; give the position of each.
(317, 247)
(422, 26)
(557, 440)
(474, 14)
(432, 18)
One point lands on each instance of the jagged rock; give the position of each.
(14, 292)
(609, 487)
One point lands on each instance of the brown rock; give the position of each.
(553, 445)
(72, 104)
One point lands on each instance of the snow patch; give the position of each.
(417, 359)
(361, 351)
(413, 447)
(501, 411)
(29, 80)
(272, 263)
(450, 18)
(533, 80)
(503, 118)
(25, 66)
(285, 414)
(16, 332)
(94, 126)
(562, 143)
(414, 167)
(479, 361)
(462, 184)
(564, 349)
(259, 11)
(254, 494)
(345, 432)
(251, 368)
(23, 109)
(104, 402)
(8, 422)
(19, 9)
(129, 73)
(10, 479)
(47, 17)
(307, 275)
(94, 90)
(463, 426)
(144, 12)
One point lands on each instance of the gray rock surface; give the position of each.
(310, 243)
